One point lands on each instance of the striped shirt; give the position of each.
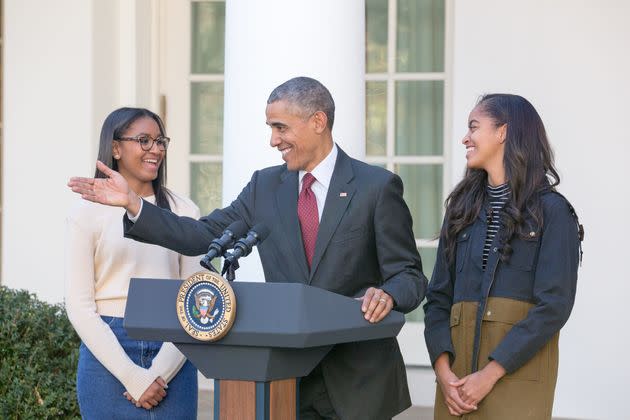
(497, 197)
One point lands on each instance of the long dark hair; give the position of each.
(114, 127)
(529, 170)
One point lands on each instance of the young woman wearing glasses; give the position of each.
(119, 377)
(505, 277)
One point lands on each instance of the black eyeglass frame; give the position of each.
(146, 142)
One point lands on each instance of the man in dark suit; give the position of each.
(336, 223)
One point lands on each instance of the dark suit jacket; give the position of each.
(365, 239)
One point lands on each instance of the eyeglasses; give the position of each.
(146, 142)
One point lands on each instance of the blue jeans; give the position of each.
(100, 394)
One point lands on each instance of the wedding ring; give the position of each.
(383, 300)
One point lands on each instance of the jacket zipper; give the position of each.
(477, 343)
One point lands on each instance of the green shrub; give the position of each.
(39, 350)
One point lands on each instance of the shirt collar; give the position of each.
(324, 170)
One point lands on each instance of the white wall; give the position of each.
(570, 59)
(268, 43)
(48, 127)
(65, 69)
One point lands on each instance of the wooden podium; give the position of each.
(281, 332)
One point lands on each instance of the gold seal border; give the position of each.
(229, 304)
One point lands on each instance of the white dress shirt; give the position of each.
(323, 173)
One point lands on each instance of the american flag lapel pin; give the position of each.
(343, 194)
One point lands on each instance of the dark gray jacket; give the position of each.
(542, 271)
(512, 312)
(365, 239)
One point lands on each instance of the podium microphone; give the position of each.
(243, 247)
(220, 245)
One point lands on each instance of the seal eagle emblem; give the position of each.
(206, 306)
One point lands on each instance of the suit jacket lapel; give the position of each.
(340, 192)
(286, 199)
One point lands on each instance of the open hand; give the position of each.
(113, 190)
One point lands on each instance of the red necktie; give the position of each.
(308, 216)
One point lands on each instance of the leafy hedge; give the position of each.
(39, 350)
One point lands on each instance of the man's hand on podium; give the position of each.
(376, 304)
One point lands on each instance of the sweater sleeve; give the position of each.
(169, 359)
(82, 313)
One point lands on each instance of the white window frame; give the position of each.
(175, 82)
(411, 337)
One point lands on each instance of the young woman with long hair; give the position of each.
(505, 277)
(119, 377)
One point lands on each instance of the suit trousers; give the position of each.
(314, 401)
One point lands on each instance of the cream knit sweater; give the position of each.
(98, 265)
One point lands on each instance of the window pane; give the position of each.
(208, 37)
(376, 37)
(419, 117)
(206, 118)
(420, 36)
(417, 315)
(428, 256)
(423, 195)
(376, 118)
(206, 182)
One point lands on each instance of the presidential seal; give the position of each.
(206, 306)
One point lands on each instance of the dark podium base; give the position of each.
(248, 400)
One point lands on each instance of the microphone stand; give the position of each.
(229, 268)
(242, 248)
